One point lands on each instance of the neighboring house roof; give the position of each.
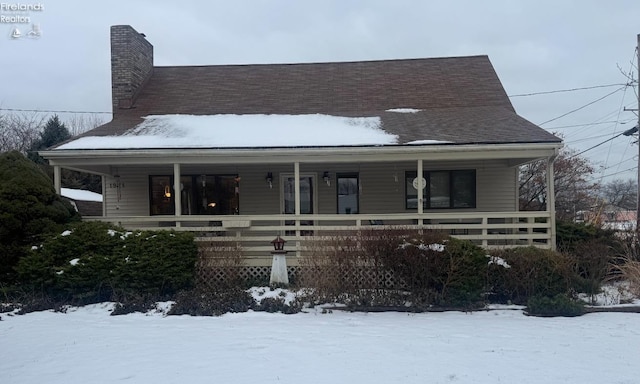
(458, 100)
(86, 203)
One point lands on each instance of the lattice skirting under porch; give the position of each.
(352, 277)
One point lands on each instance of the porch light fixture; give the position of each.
(167, 191)
(278, 244)
(269, 179)
(326, 178)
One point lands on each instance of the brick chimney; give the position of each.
(131, 65)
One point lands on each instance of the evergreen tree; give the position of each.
(29, 209)
(54, 132)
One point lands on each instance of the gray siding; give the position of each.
(382, 186)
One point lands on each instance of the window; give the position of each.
(347, 189)
(443, 189)
(200, 195)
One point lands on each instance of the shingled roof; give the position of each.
(458, 99)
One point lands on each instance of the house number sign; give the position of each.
(415, 183)
(116, 185)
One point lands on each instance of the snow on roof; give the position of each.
(404, 110)
(420, 142)
(77, 194)
(220, 131)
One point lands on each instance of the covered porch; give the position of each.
(249, 196)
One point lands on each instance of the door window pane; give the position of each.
(306, 195)
(347, 193)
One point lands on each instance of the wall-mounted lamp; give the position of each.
(269, 179)
(326, 178)
(167, 191)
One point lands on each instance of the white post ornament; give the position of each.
(279, 263)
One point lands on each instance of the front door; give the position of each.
(307, 189)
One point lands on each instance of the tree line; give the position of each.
(29, 133)
(577, 189)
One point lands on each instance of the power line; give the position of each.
(628, 132)
(616, 173)
(635, 158)
(47, 111)
(584, 106)
(587, 124)
(587, 138)
(567, 90)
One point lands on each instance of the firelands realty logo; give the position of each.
(19, 16)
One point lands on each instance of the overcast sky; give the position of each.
(535, 46)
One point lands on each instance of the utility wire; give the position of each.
(584, 106)
(628, 132)
(566, 90)
(616, 173)
(587, 138)
(47, 111)
(588, 124)
(635, 158)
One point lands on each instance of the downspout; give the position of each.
(57, 179)
(551, 199)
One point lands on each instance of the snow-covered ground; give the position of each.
(86, 345)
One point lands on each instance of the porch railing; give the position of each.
(254, 232)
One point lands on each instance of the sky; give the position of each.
(535, 46)
(86, 345)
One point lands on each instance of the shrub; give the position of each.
(94, 261)
(592, 262)
(571, 238)
(558, 305)
(532, 271)
(29, 210)
(203, 301)
(277, 304)
(156, 263)
(629, 271)
(335, 265)
(435, 268)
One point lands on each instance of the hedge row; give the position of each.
(94, 261)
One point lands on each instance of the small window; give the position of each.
(443, 189)
(347, 190)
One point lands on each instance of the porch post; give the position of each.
(296, 176)
(551, 201)
(420, 190)
(104, 195)
(57, 179)
(177, 192)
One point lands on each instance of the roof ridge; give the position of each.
(326, 62)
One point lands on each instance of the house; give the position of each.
(246, 152)
(610, 217)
